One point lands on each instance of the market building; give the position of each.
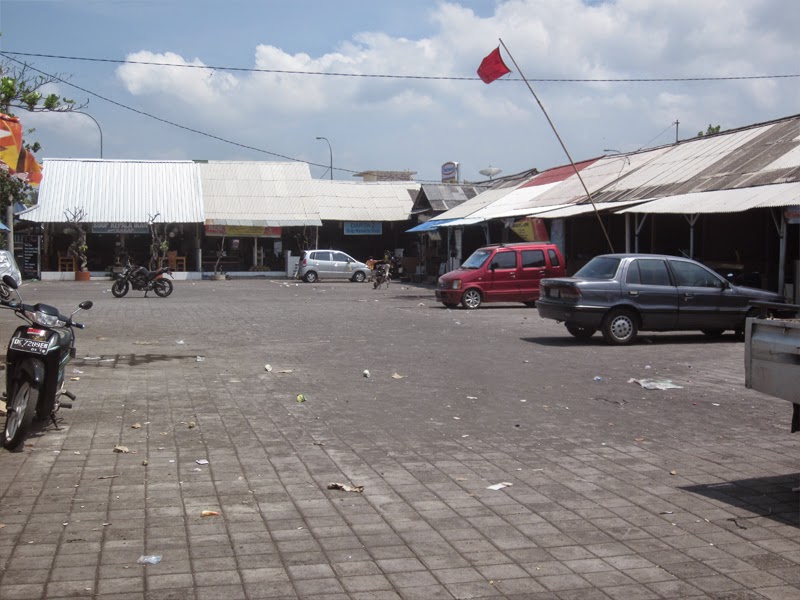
(729, 200)
(241, 218)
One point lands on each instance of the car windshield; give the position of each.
(600, 267)
(477, 259)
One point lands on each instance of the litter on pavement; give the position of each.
(149, 560)
(346, 488)
(499, 486)
(656, 384)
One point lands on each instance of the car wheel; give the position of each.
(310, 277)
(471, 299)
(359, 277)
(713, 333)
(620, 327)
(531, 304)
(582, 333)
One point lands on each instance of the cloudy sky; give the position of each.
(437, 112)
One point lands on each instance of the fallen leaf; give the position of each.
(673, 472)
(145, 462)
(397, 376)
(108, 476)
(301, 398)
(209, 513)
(286, 371)
(74, 378)
(136, 426)
(192, 425)
(121, 449)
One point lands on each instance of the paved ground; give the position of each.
(618, 492)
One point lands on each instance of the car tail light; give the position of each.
(570, 292)
(303, 262)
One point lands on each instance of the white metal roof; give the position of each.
(474, 204)
(724, 201)
(118, 191)
(283, 194)
(573, 210)
(257, 193)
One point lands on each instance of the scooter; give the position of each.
(141, 279)
(37, 356)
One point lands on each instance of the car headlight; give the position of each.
(456, 284)
(44, 319)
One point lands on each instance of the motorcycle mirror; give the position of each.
(10, 282)
(86, 304)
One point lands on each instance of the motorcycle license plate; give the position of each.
(32, 346)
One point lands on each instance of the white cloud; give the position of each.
(550, 39)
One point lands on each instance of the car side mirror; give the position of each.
(493, 266)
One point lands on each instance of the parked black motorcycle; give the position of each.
(140, 279)
(36, 359)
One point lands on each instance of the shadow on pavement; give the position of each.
(769, 497)
(644, 338)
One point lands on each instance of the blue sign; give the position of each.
(362, 228)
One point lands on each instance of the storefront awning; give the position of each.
(723, 201)
(575, 210)
(429, 226)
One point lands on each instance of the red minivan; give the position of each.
(501, 273)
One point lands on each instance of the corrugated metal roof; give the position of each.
(257, 193)
(573, 210)
(444, 196)
(723, 201)
(283, 194)
(758, 155)
(118, 191)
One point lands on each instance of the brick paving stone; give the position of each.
(582, 520)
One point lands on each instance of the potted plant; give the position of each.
(78, 248)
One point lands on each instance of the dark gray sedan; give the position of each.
(622, 294)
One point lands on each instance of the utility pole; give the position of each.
(676, 123)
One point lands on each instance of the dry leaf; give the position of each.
(209, 513)
(673, 472)
(136, 426)
(285, 371)
(397, 376)
(192, 424)
(74, 378)
(121, 449)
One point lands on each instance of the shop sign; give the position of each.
(362, 228)
(119, 228)
(450, 172)
(531, 230)
(243, 231)
(792, 215)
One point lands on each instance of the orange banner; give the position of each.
(10, 141)
(28, 169)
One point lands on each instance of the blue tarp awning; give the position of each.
(428, 226)
(3, 227)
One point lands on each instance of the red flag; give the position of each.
(28, 169)
(492, 67)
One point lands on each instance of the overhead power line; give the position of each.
(168, 122)
(391, 76)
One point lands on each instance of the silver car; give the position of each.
(331, 264)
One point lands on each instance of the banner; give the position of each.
(243, 231)
(531, 230)
(10, 141)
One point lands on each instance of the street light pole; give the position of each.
(98, 127)
(331, 153)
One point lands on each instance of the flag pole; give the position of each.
(553, 127)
